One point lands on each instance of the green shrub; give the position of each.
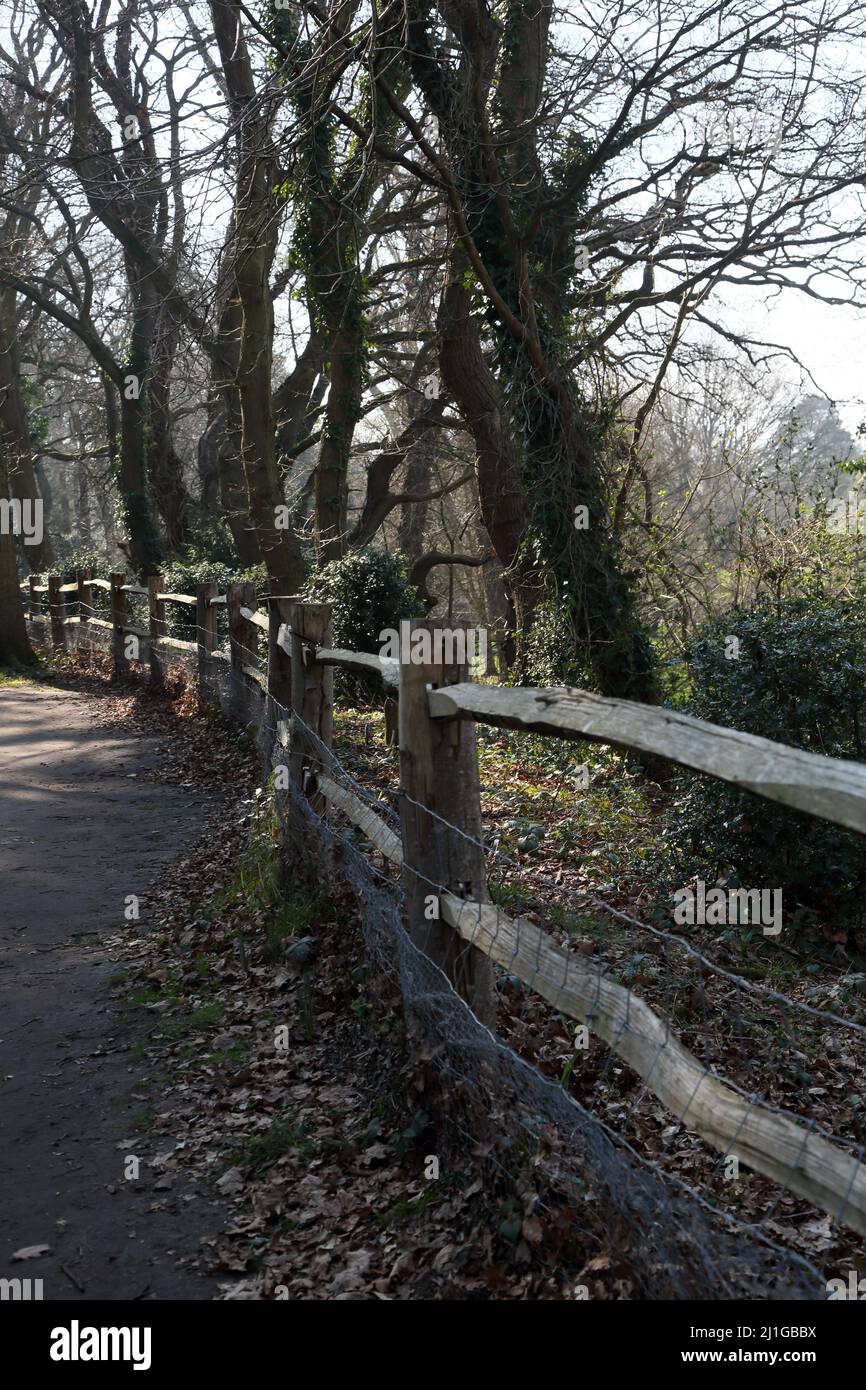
(549, 650)
(71, 558)
(369, 591)
(800, 679)
(210, 541)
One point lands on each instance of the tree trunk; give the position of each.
(256, 224)
(417, 479)
(233, 495)
(166, 466)
(105, 502)
(15, 646)
(145, 552)
(136, 436)
(207, 453)
(82, 507)
(504, 507)
(15, 433)
(342, 412)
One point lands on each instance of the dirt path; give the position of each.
(81, 827)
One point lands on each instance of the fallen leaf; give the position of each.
(231, 1181)
(532, 1230)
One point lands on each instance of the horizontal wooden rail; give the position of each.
(128, 588)
(39, 589)
(69, 588)
(256, 675)
(104, 584)
(253, 616)
(179, 643)
(176, 598)
(386, 840)
(832, 788)
(217, 600)
(777, 1145)
(364, 662)
(774, 1144)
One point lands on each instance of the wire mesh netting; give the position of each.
(675, 1245)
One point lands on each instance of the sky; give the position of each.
(830, 341)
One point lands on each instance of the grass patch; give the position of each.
(204, 1017)
(582, 924)
(401, 1212)
(510, 895)
(259, 881)
(140, 998)
(295, 917)
(283, 1136)
(142, 1120)
(13, 678)
(229, 1056)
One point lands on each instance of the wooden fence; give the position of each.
(441, 841)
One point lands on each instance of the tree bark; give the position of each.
(478, 395)
(255, 227)
(15, 431)
(165, 464)
(417, 479)
(15, 646)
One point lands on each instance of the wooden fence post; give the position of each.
(118, 622)
(55, 609)
(312, 691)
(85, 607)
(280, 611)
(85, 595)
(279, 697)
(156, 626)
(439, 772)
(33, 596)
(206, 637)
(243, 640)
(392, 721)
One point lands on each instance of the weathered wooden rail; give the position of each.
(440, 849)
